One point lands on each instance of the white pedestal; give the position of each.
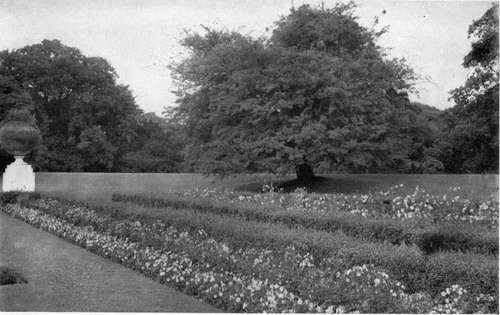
(18, 176)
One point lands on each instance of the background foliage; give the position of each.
(318, 95)
(88, 121)
(470, 140)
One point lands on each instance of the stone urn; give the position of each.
(18, 136)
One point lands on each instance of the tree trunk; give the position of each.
(304, 172)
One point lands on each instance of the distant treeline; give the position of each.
(322, 100)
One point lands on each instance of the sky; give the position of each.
(140, 38)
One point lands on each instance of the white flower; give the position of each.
(340, 310)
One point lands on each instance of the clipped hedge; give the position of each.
(429, 239)
(406, 263)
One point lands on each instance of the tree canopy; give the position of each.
(160, 143)
(88, 121)
(319, 92)
(470, 140)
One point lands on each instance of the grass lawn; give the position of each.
(100, 186)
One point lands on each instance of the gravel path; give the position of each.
(65, 277)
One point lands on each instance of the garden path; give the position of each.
(64, 277)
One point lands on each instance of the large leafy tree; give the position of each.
(470, 141)
(86, 118)
(418, 129)
(158, 147)
(318, 94)
(12, 96)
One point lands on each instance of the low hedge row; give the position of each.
(429, 239)
(406, 263)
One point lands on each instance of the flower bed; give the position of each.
(406, 264)
(395, 203)
(430, 237)
(249, 279)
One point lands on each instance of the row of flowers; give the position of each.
(248, 280)
(393, 203)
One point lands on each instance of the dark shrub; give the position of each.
(457, 239)
(9, 197)
(17, 196)
(10, 276)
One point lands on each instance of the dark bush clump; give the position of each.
(9, 197)
(456, 239)
(10, 276)
(15, 196)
